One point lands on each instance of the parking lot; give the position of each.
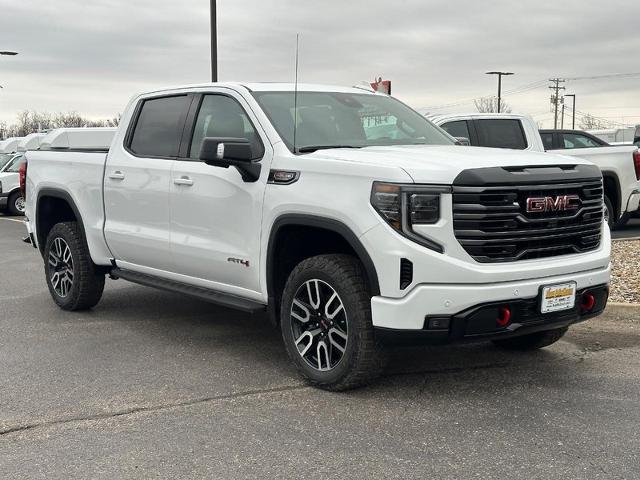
(152, 384)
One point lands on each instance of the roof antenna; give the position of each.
(295, 97)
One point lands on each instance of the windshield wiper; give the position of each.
(313, 148)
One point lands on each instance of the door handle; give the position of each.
(184, 180)
(117, 175)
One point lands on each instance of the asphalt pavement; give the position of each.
(630, 230)
(156, 385)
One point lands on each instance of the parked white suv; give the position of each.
(351, 220)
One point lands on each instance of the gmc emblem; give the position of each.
(561, 203)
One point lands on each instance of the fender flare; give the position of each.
(62, 195)
(327, 224)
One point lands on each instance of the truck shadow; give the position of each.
(214, 333)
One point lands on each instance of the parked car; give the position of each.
(569, 139)
(11, 198)
(620, 165)
(346, 238)
(8, 149)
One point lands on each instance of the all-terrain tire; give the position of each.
(87, 284)
(361, 361)
(533, 341)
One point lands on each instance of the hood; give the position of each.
(441, 164)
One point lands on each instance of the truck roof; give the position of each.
(98, 138)
(30, 142)
(9, 145)
(276, 87)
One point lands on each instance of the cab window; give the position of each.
(221, 116)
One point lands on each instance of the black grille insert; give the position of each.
(492, 223)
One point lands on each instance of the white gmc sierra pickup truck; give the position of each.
(344, 214)
(620, 165)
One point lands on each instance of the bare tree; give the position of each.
(30, 121)
(589, 122)
(490, 105)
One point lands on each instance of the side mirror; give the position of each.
(464, 141)
(231, 152)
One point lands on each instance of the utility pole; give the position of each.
(500, 75)
(573, 109)
(555, 98)
(562, 118)
(214, 43)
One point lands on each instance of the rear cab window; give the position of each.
(501, 133)
(158, 127)
(575, 140)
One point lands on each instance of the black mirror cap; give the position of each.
(219, 151)
(464, 141)
(231, 152)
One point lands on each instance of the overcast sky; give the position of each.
(91, 57)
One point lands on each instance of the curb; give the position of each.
(622, 307)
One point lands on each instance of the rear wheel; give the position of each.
(532, 341)
(73, 280)
(326, 322)
(15, 204)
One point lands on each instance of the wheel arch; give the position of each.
(335, 228)
(611, 185)
(47, 200)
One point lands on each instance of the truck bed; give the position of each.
(80, 173)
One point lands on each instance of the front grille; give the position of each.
(492, 224)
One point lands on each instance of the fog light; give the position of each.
(504, 316)
(587, 302)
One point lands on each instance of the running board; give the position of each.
(213, 296)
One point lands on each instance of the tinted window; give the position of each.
(575, 140)
(159, 127)
(502, 133)
(223, 117)
(457, 129)
(547, 140)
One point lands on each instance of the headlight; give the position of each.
(403, 206)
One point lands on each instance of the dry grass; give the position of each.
(625, 272)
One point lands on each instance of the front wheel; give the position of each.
(15, 204)
(533, 341)
(326, 322)
(73, 280)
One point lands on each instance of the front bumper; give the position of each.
(412, 312)
(479, 322)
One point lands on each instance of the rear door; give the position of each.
(137, 180)
(216, 216)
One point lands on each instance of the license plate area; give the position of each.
(559, 297)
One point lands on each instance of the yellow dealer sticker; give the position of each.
(558, 297)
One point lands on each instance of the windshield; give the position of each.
(4, 159)
(347, 120)
(14, 165)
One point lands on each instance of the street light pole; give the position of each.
(214, 43)
(500, 75)
(573, 109)
(8, 53)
